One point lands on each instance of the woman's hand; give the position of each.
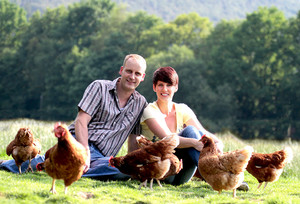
(198, 145)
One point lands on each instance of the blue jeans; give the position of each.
(99, 168)
(189, 156)
(11, 166)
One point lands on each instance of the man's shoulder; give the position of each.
(102, 83)
(139, 96)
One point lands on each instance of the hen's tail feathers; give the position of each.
(172, 140)
(40, 166)
(239, 159)
(289, 154)
(143, 141)
(247, 152)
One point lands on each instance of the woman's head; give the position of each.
(167, 75)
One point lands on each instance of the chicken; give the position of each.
(268, 167)
(65, 160)
(24, 147)
(149, 162)
(176, 164)
(223, 171)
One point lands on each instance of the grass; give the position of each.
(34, 187)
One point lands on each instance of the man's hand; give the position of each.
(87, 163)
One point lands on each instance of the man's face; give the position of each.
(132, 73)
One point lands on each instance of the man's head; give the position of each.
(133, 71)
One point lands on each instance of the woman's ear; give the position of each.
(154, 88)
(176, 88)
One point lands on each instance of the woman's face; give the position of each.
(164, 91)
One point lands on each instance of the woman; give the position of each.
(163, 117)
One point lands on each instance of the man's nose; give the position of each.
(132, 75)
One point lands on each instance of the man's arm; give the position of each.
(81, 132)
(132, 144)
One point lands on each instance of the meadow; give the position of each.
(34, 187)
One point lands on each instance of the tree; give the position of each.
(186, 30)
(12, 22)
(250, 61)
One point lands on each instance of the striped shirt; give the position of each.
(110, 125)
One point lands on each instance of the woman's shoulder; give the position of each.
(181, 106)
(152, 106)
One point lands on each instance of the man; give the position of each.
(109, 112)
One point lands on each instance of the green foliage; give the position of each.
(241, 76)
(169, 10)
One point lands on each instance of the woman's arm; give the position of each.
(197, 124)
(160, 129)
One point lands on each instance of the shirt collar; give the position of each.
(113, 88)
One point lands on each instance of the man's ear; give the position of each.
(143, 78)
(121, 70)
(154, 88)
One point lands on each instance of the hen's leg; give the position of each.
(151, 184)
(266, 183)
(259, 185)
(66, 189)
(20, 169)
(52, 190)
(29, 165)
(158, 182)
(234, 193)
(143, 184)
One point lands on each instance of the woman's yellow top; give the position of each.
(183, 114)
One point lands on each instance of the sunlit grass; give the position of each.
(34, 187)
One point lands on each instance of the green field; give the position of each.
(34, 187)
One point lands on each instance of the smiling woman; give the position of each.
(164, 117)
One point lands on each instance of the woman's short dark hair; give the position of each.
(165, 74)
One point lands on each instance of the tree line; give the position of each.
(241, 76)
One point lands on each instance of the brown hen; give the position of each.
(223, 171)
(175, 164)
(24, 147)
(149, 162)
(65, 160)
(268, 167)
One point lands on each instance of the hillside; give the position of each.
(170, 9)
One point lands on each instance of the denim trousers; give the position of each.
(100, 169)
(189, 156)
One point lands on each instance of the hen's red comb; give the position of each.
(57, 124)
(109, 161)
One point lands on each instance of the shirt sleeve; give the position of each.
(187, 113)
(91, 98)
(137, 130)
(151, 111)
